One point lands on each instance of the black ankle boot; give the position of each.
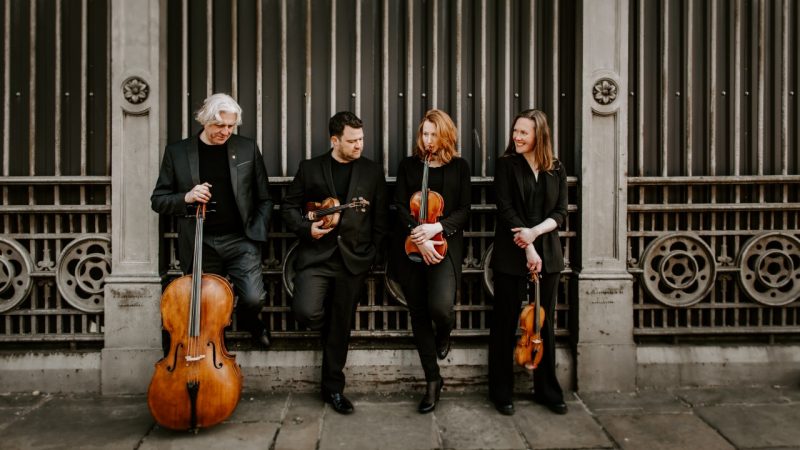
(431, 397)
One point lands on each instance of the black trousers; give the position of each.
(239, 258)
(509, 293)
(325, 299)
(430, 293)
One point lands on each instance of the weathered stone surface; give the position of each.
(82, 422)
(472, 423)
(662, 431)
(543, 429)
(378, 424)
(633, 402)
(729, 395)
(748, 426)
(302, 423)
(238, 436)
(50, 371)
(259, 407)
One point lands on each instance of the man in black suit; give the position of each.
(332, 263)
(216, 165)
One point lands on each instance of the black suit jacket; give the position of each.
(507, 257)
(456, 193)
(359, 234)
(180, 172)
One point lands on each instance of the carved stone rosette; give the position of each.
(82, 269)
(678, 269)
(604, 91)
(15, 274)
(135, 90)
(769, 268)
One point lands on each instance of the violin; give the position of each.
(530, 348)
(198, 383)
(329, 210)
(426, 209)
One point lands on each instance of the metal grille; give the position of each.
(713, 207)
(55, 212)
(379, 314)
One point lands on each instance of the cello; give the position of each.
(198, 383)
(426, 209)
(530, 347)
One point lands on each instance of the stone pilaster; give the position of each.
(606, 355)
(133, 290)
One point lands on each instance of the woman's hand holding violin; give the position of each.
(534, 260)
(425, 232)
(428, 251)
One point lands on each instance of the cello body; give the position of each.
(198, 384)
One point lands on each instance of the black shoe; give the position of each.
(506, 409)
(339, 402)
(442, 346)
(261, 339)
(558, 407)
(431, 397)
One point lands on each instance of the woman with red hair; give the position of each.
(429, 279)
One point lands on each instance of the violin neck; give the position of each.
(334, 209)
(536, 311)
(423, 203)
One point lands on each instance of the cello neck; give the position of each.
(197, 273)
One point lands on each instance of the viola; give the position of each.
(530, 348)
(426, 209)
(198, 383)
(329, 210)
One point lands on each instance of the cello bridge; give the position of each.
(194, 358)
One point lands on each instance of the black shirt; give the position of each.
(215, 170)
(340, 172)
(534, 201)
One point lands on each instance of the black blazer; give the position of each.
(359, 233)
(457, 198)
(507, 257)
(180, 172)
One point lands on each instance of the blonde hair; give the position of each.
(446, 136)
(542, 147)
(216, 104)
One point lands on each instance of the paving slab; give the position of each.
(378, 423)
(471, 422)
(731, 395)
(749, 426)
(662, 431)
(260, 407)
(81, 422)
(14, 406)
(227, 435)
(302, 423)
(632, 402)
(543, 429)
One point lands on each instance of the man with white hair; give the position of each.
(220, 167)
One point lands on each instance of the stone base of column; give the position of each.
(132, 334)
(606, 354)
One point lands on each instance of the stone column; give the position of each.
(133, 290)
(606, 355)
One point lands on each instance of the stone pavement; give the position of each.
(719, 418)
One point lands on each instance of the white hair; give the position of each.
(216, 104)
